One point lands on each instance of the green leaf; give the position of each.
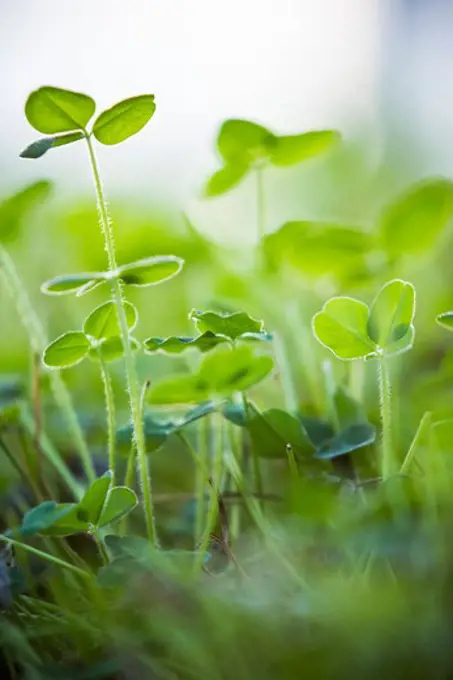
(91, 505)
(124, 119)
(230, 325)
(402, 344)
(156, 432)
(412, 222)
(271, 432)
(292, 149)
(40, 518)
(446, 320)
(341, 326)
(222, 372)
(225, 179)
(175, 345)
(15, 209)
(182, 389)
(318, 249)
(391, 313)
(352, 438)
(241, 142)
(68, 284)
(195, 414)
(318, 431)
(41, 146)
(349, 411)
(119, 503)
(69, 523)
(111, 349)
(235, 412)
(234, 369)
(103, 321)
(151, 270)
(67, 350)
(51, 110)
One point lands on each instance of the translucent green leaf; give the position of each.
(119, 503)
(41, 146)
(271, 432)
(412, 222)
(67, 350)
(242, 142)
(230, 325)
(67, 284)
(182, 389)
(51, 110)
(318, 249)
(151, 270)
(91, 505)
(352, 438)
(103, 321)
(40, 518)
(176, 345)
(15, 209)
(225, 179)
(234, 369)
(446, 320)
(68, 523)
(111, 349)
(391, 313)
(341, 326)
(124, 119)
(195, 414)
(292, 149)
(403, 344)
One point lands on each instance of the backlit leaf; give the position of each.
(271, 432)
(111, 349)
(51, 110)
(291, 149)
(92, 503)
(124, 119)
(391, 313)
(151, 270)
(446, 320)
(67, 350)
(242, 142)
(67, 284)
(225, 179)
(15, 209)
(352, 438)
(230, 325)
(341, 326)
(119, 503)
(176, 345)
(41, 146)
(103, 321)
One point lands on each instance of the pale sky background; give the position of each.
(293, 65)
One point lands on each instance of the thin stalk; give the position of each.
(236, 511)
(331, 408)
(422, 431)
(260, 202)
(213, 507)
(38, 340)
(45, 556)
(110, 411)
(255, 459)
(100, 546)
(290, 396)
(200, 474)
(131, 372)
(385, 395)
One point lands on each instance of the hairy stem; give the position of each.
(38, 340)
(110, 410)
(386, 418)
(131, 372)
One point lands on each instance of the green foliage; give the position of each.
(351, 330)
(16, 208)
(42, 146)
(67, 350)
(175, 345)
(150, 271)
(446, 320)
(222, 372)
(52, 110)
(120, 502)
(244, 145)
(124, 119)
(273, 430)
(233, 326)
(412, 222)
(103, 323)
(72, 283)
(348, 440)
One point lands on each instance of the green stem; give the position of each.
(110, 410)
(331, 408)
(213, 507)
(260, 202)
(100, 545)
(45, 556)
(386, 418)
(38, 340)
(131, 372)
(422, 431)
(255, 459)
(201, 468)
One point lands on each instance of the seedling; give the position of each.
(65, 116)
(354, 331)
